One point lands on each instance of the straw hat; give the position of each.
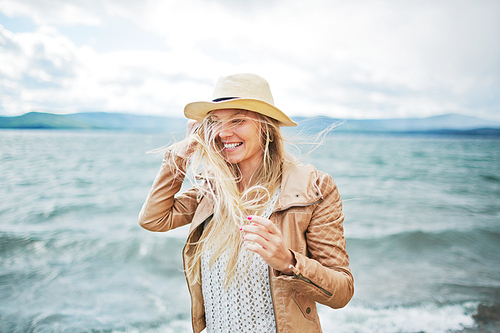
(240, 91)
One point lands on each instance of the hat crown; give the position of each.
(243, 86)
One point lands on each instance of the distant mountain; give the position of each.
(93, 120)
(446, 124)
(34, 120)
(450, 124)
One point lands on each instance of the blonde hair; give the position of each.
(218, 179)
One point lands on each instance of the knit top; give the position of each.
(246, 304)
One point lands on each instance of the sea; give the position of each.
(422, 223)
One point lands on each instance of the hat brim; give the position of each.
(199, 110)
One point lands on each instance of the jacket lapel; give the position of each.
(299, 185)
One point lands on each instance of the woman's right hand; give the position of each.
(187, 149)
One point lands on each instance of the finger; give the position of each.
(256, 248)
(256, 239)
(258, 230)
(268, 224)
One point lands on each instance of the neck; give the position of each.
(247, 170)
(246, 173)
(245, 179)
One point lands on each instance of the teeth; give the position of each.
(231, 145)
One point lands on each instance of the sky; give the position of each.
(357, 59)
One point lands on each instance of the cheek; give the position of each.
(255, 150)
(254, 135)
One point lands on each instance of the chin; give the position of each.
(233, 160)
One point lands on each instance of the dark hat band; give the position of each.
(223, 99)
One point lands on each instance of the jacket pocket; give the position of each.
(306, 306)
(323, 290)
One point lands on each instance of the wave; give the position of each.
(52, 211)
(75, 248)
(428, 318)
(10, 242)
(430, 260)
(425, 240)
(66, 212)
(491, 178)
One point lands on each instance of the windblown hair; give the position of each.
(218, 180)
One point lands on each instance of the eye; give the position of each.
(237, 121)
(212, 122)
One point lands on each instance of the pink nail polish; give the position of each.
(249, 217)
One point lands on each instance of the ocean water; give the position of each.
(422, 227)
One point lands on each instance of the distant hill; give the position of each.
(93, 120)
(450, 124)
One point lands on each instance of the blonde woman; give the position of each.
(266, 236)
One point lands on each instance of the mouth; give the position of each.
(232, 145)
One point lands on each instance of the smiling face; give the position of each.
(238, 132)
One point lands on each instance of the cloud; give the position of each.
(32, 65)
(54, 12)
(45, 71)
(359, 59)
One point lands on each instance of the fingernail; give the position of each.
(249, 217)
(241, 228)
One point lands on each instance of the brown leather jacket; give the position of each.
(309, 215)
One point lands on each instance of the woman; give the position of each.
(266, 237)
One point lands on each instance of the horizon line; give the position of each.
(300, 116)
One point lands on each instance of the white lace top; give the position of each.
(246, 305)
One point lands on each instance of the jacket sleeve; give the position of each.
(163, 211)
(323, 275)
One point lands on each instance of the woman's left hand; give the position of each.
(272, 249)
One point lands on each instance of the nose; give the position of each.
(225, 132)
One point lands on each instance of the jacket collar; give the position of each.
(299, 185)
